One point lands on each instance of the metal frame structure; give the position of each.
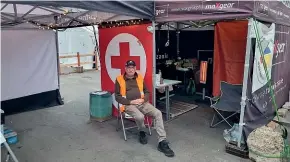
(37, 14)
(245, 82)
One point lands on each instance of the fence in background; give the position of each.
(78, 63)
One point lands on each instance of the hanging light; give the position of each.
(167, 43)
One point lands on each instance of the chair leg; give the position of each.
(149, 128)
(10, 152)
(212, 121)
(124, 131)
(223, 119)
(118, 122)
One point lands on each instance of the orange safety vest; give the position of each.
(122, 84)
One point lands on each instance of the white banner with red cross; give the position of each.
(117, 45)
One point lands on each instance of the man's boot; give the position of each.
(163, 147)
(142, 137)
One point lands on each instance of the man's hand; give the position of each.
(137, 102)
(141, 101)
(134, 102)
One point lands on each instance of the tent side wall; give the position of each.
(260, 112)
(259, 107)
(29, 70)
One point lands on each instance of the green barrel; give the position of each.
(100, 105)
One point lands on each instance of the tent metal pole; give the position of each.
(245, 82)
(154, 65)
(57, 52)
(97, 49)
(154, 60)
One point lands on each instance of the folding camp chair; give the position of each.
(229, 102)
(121, 115)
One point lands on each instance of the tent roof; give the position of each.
(270, 11)
(33, 14)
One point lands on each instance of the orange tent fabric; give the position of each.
(229, 53)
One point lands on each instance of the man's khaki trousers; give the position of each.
(138, 112)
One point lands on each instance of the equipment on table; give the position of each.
(158, 78)
(100, 106)
(161, 79)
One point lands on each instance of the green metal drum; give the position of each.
(100, 106)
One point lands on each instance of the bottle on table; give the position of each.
(160, 75)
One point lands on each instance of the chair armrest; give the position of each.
(214, 100)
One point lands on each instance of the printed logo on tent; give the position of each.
(264, 49)
(218, 6)
(187, 8)
(279, 48)
(267, 54)
(286, 3)
(161, 11)
(262, 7)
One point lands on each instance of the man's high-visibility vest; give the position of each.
(122, 84)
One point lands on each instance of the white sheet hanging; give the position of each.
(28, 63)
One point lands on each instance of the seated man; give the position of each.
(131, 93)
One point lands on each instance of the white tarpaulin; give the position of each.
(267, 35)
(28, 63)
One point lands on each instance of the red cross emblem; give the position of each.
(118, 62)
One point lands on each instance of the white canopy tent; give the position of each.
(29, 42)
(43, 17)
